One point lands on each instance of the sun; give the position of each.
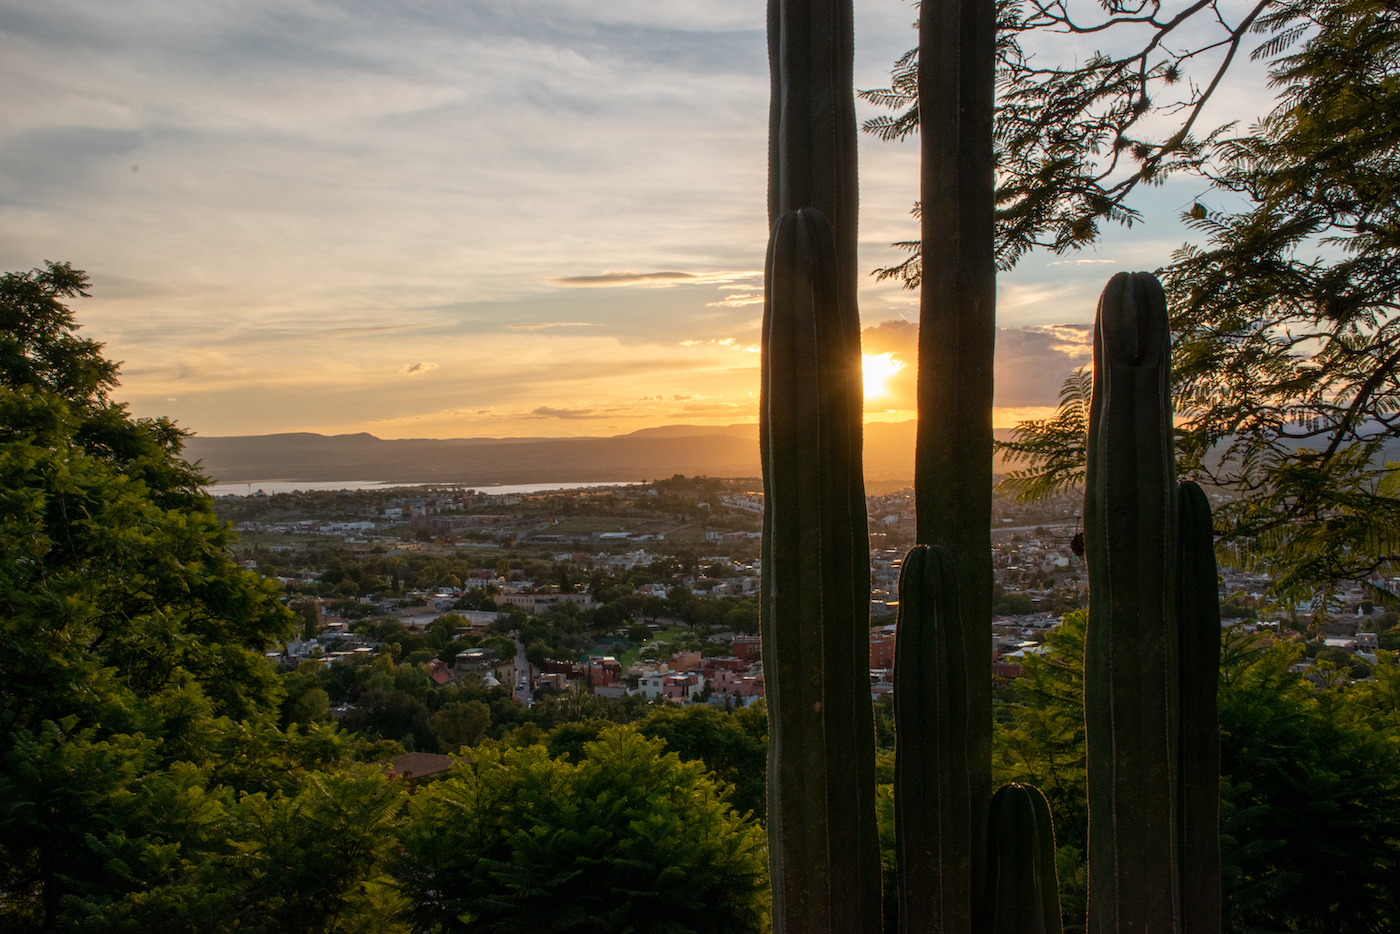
(876, 370)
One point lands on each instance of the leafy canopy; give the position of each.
(143, 782)
(1310, 779)
(628, 838)
(1286, 356)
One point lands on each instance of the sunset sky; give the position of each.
(449, 219)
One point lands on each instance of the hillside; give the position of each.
(716, 451)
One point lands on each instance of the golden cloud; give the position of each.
(539, 325)
(663, 278)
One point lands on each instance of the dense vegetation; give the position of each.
(158, 773)
(155, 771)
(1286, 342)
(1310, 785)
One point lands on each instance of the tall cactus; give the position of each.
(957, 338)
(1148, 664)
(823, 849)
(935, 810)
(824, 853)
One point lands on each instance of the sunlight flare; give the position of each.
(876, 370)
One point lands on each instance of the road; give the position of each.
(522, 666)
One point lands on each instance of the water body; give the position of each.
(293, 486)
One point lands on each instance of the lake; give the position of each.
(290, 486)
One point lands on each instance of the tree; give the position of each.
(1286, 339)
(135, 703)
(732, 745)
(38, 346)
(460, 724)
(630, 837)
(1073, 142)
(1311, 815)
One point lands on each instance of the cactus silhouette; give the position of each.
(1022, 894)
(943, 781)
(823, 850)
(1199, 752)
(934, 806)
(1149, 666)
(957, 340)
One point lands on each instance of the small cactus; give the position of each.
(933, 806)
(1199, 761)
(1022, 886)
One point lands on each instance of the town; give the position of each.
(534, 605)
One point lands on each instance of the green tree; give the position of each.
(628, 838)
(1311, 792)
(1288, 338)
(143, 780)
(1286, 335)
(460, 724)
(733, 746)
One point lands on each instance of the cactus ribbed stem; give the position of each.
(1022, 886)
(823, 848)
(1199, 812)
(957, 339)
(812, 120)
(933, 810)
(1132, 644)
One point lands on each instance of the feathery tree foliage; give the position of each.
(628, 838)
(1073, 142)
(1286, 355)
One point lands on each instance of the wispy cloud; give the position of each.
(540, 325)
(736, 301)
(663, 278)
(417, 369)
(550, 411)
(380, 329)
(624, 278)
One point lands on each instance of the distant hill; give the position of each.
(648, 454)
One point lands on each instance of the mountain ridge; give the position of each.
(646, 454)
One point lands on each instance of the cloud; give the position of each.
(549, 411)
(415, 369)
(377, 329)
(736, 301)
(1032, 362)
(623, 278)
(663, 278)
(1079, 262)
(896, 337)
(714, 410)
(538, 325)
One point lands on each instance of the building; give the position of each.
(535, 603)
(485, 666)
